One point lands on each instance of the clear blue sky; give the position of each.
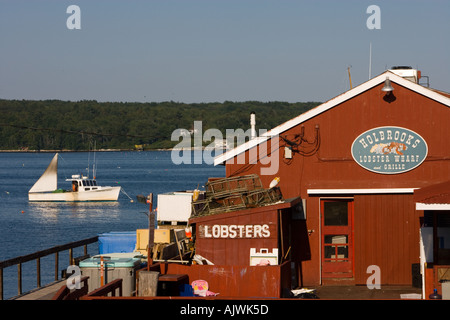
(214, 50)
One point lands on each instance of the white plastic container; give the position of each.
(174, 206)
(263, 257)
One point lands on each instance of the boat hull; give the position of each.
(100, 194)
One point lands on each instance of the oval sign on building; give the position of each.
(389, 150)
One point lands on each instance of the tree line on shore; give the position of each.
(77, 125)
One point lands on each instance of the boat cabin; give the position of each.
(82, 183)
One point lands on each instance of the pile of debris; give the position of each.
(234, 193)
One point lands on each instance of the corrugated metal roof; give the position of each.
(434, 194)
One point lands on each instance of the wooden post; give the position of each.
(281, 235)
(56, 265)
(148, 283)
(435, 238)
(19, 279)
(70, 256)
(1, 283)
(151, 231)
(38, 271)
(102, 272)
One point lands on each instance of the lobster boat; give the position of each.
(83, 188)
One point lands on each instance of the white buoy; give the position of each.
(274, 182)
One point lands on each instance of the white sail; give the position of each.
(49, 179)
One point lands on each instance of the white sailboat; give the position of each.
(83, 188)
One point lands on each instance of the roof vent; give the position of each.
(406, 72)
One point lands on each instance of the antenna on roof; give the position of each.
(349, 76)
(370, 61)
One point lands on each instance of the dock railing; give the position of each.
(103, 291)
(37, 256)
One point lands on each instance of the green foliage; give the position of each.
(65, 125)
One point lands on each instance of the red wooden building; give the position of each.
(355, 161)
(434, 202)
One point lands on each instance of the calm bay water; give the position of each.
(27, 227)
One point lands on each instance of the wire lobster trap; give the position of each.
(262, 197)
(234, 185)
(235, 193)
(212, 206)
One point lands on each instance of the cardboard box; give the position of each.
(164, 236)
(142, 241)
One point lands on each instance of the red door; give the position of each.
(337, 238)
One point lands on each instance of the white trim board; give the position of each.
(432, 206)
(360, 191)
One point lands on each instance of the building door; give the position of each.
(337, 238)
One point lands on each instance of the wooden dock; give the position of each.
(36, 256)
(43, 293)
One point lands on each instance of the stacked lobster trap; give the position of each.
(234, 193)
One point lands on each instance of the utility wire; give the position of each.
(72, 131)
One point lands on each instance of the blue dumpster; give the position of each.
(116, 242)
